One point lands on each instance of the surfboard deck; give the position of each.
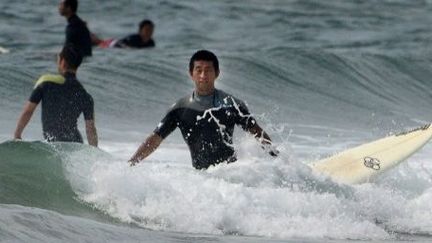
(363, 163)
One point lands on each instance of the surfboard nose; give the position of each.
(362, 163)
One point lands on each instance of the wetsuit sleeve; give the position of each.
(36, 95)
(133, 41)
(167, 125)
(88, 109)
(244, 118)
(126, 41)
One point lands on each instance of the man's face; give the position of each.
(62, 9)
(146, 32)
(204, 76)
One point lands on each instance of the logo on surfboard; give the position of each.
(372, 163)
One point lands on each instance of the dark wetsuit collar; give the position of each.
(207, 100)
(72, 18)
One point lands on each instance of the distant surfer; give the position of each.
(142, 39)
(63, 100)
(206, 119)
(77, 32)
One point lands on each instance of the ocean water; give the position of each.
(319, 76)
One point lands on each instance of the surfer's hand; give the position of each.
(17, 136)
(133, 162)
(274, 152)
(270, 149)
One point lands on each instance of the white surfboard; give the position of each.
(363, 163)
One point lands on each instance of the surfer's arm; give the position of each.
(146, 148)
(264, 139)
(24, 119)
(91, 132)
(95, 39)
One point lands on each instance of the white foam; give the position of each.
(257, 195)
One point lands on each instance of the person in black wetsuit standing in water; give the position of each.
(63, 100)
(206, 119)
(77, 32)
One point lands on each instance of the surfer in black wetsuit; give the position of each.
(77, 32)
(63, 100)
(206, 119)
(143, 39)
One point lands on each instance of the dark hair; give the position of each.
(72, 56)
(144, 23)
(204, 55)
(73, 4)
